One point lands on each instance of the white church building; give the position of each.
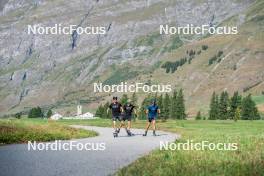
(79, 115)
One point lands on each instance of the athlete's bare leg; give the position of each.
(114, 125)
(128, 125)
(147, 127)
(154, 125)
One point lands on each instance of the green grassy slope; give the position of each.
(24, 130)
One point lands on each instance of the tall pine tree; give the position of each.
(223, 106)
(134, 99)
(217, 102)
(235, 102)
(213, 112)
(249, 110)
(166, 106)
(160, 104)
(173, 105)
(237, 114)
(105, 114)
(124, 99)
(100, 111)
(144, 105)
(49, 113)
(180, 108)
(198, 116)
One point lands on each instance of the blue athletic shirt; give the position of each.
(152, 111)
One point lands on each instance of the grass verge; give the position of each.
(40, 130)
(247, 160)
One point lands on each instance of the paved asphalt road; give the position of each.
(16, 160)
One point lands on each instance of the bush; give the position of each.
(220, 53)
(18, 115)
(35, 113)
(49, 113)
(204, 47)
(198, 116)
(191, 53)
(216, 58)
(173, 66)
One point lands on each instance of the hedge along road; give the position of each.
(16, 159)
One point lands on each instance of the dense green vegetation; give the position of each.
(35, 112)
(234, 108)
(173, 66)
(198, 116)
(171, 106)
(23, 130)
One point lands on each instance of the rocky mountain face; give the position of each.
(55, 70)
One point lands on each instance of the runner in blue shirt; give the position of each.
(152, 111)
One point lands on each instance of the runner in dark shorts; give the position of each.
(152, 111)
(116, 108)
(128, 109)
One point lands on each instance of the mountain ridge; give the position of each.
(45, 70)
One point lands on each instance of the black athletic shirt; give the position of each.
(116, 108)
(128, 108)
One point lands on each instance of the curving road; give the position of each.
(16, 160)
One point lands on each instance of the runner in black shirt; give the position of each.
(128, 109)
(116, 108)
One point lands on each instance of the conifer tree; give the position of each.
(144, 105)
(160, 104)
(235, 102)
(173, 105)
(166, 106)
(105, 114)
(223, 106)
(100, 111)
(35, 113)
(134, 99)
(237, 114)
(213, 112)
(249, 110)
(49, 113)
(198, 116)
(217, 102)
(124, 99)
(180, 109)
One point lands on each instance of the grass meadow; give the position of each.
(247, 160)
(24, 130)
